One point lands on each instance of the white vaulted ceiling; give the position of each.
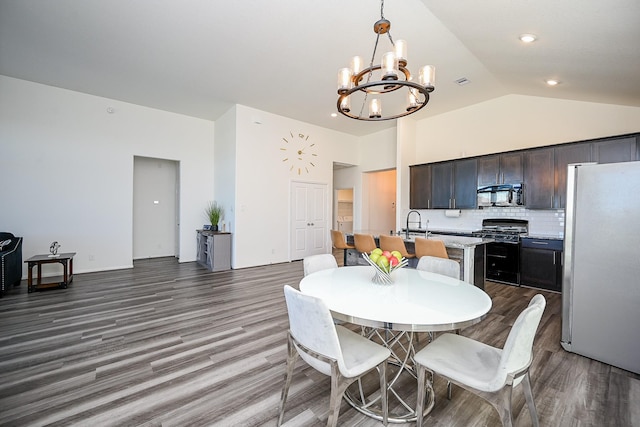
(200, 57)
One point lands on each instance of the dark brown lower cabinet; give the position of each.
(541, 263)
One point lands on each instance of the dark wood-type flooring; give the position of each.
(169, 344)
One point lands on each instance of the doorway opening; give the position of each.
(155, 208)
(379, 201)
(343, 210)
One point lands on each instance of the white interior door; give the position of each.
(155, 218)
(309, 232)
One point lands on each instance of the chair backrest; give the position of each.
(393, 243)
(314, 263)
(338, 240)
(430, 247)
(364, 242)
(447, 267)
(518, 349)
(311, 325)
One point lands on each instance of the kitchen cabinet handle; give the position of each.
(536, 242)
(554, 258)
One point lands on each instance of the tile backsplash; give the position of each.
(542, 223)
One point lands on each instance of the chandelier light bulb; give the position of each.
(427, 76)
(345, 104)
(375, 109)
(390, 66)
(356, 64)
(344, 80)
(412, 100)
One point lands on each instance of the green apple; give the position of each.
(397, 254)
(383, 263)
(374, 257)
(376, 251)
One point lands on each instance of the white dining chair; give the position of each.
(486, 371)
(314, 263)
(445, 266)
(331, 349)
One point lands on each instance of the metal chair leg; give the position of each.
(292, 354)
(528, 395)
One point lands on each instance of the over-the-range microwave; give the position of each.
(501, 195)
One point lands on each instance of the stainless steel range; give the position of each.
(503, 255)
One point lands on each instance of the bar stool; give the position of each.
(394, 243)
(364, 242)
(430, 247)
(339, 242)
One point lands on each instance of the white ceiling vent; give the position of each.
(462, 81)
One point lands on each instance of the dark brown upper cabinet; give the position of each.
(614, 150)
(539, 188)
(565, 155)
(420, 187)
(503, 168)
(453, 184)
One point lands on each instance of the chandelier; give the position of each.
(390, 79)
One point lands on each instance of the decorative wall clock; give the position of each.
(300, 153)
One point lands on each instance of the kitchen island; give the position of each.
(468, 251)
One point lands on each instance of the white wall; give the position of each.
(515, 121)
(224, 168)
(263, 180)
(67, 171)
(377, 153)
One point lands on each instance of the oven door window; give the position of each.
(503, 262)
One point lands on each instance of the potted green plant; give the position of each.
(215, 212)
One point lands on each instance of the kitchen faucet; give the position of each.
(419, 221)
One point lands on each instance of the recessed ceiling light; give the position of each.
(528, 38)
(553, 82)
(334, 114)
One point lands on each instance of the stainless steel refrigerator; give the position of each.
(601, 277)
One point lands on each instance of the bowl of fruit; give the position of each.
(384, 263)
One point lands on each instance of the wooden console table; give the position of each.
(65, 259)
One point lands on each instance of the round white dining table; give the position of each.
(416, 301)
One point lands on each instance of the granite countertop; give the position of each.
(460, 242)
(450, 241)
(441, 230)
